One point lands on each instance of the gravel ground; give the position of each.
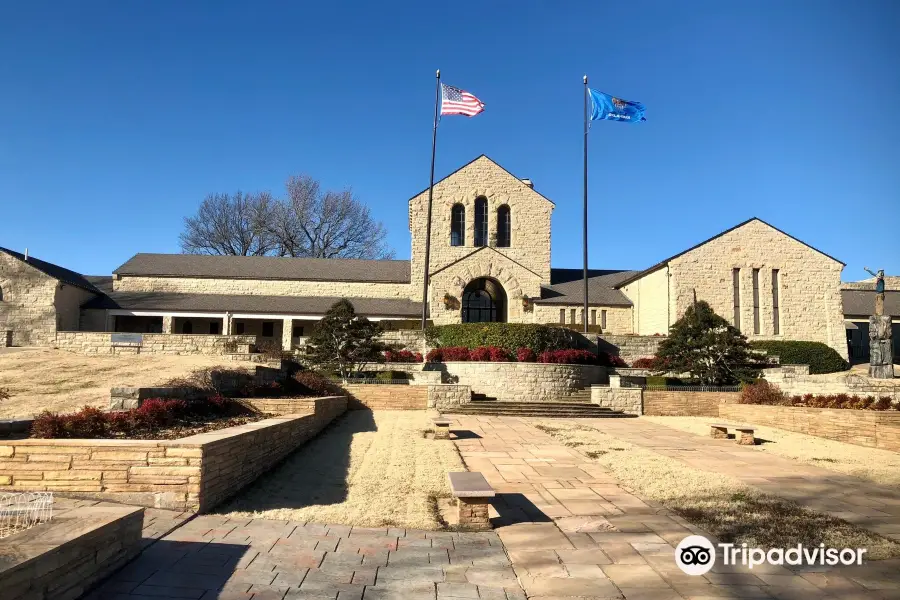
(878, 466)
(369, 468)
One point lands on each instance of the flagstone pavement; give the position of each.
(564, 530)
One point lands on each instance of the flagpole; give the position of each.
(584, 316)
(437, 99)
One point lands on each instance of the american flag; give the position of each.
(455, 101)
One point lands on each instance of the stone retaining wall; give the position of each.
(627, 400)
(686, 404)
(522, 382)
(64, 558)
(447, 396)
(796, 380)
(193, 473)
(630, 347)
(87, 342)
(386, 396)
(873, 429)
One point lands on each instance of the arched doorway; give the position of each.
(483, 301)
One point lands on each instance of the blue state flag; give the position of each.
(610, 108)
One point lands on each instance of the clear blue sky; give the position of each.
(117, 118)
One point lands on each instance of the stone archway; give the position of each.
(483, 301)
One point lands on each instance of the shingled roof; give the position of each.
(266, 267)
(61, 274)
(861, 303)
(240, 303)
(567, 287)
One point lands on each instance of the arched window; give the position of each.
(458, 225)
(187, 327)
(504, 229)
(481, 221)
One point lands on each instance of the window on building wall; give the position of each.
(458, 225)
(481, 221)
(776, 311)
(504, 227)
(562, 316)
(756, 301)
(187, 327)
(239, 329)
(736, 284)
(593, 316)
(603, 319)
(572, 316)
(298, 331)
(215, 328)
(268, 329)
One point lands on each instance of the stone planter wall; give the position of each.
(193, 473)
(378, 396)
(522, 382)
(796, 380)
(873, 429)
(87, 342)
(64, 558)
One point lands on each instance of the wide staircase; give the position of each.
(577, 406)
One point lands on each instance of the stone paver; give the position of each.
(572, 532)
(217, 558)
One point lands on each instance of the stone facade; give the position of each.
(808, 283)
(630, 347)
(153, 343)
(194, 473)
(523, 382)
(618, 318)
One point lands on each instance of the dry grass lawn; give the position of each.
(872, 464)
(722, 505)
(369, 469)
(59, 381)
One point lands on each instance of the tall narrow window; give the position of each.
(736, 282)
(572, 316)
(481, 221)
(756, 301)
(504, 228)
(562, 316)
(603, 319)
(593, 316)
(458, 225)
(187, 327)
(776, 311)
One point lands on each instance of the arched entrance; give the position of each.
(483, 301)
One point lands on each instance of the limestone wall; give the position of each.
(448, 396)
(387, 396)
(626, 400)
(618, 318)
(796, 380)
(686, 404)
(631, 347)
(264, 287)
(522, 382)
(653, 303)
(87, 342)
(27, 307)
(193, 473)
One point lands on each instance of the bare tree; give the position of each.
(235, 225)
(318, 224)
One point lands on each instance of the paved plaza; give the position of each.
(564, 529)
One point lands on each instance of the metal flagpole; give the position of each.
(584, 316)
(437, 100)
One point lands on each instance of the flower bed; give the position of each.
(154, 419)
(765, 393)
(498, 354)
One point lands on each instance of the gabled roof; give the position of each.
(494, 162)
(665, 262)
(861, 303)
(567, 287)
(267, 267)
(482, 249)
(61, 274)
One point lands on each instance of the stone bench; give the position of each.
(720, 431)
(442, 428)
(473, 498)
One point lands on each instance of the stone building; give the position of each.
(489, 261)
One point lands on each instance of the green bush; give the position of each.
(819, 357)
(388, 375)
(509, 336)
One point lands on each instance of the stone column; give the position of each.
(287, 332)
(226, 324)
(167, 323)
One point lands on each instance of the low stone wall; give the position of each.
(405, 339)
(796, 380)
(626, 400)
(686, 404)
(522, 382)
(64, 558)
(87, 342)
(873, 429)
(279, 406)
(193, 473)
(630, 347)
(447, 396)
(386, 396)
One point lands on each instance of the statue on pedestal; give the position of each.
(881, 353)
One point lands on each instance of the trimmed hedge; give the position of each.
(509, 336)
(819, 357)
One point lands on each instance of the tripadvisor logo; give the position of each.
(696, 555)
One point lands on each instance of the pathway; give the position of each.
(571, 531)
